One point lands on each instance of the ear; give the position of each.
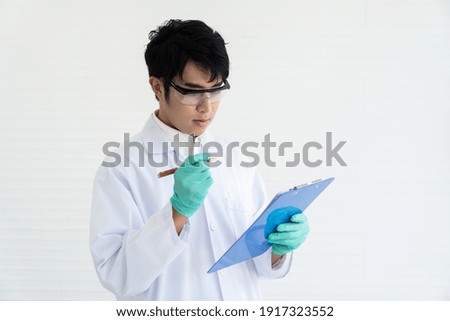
(157, 87)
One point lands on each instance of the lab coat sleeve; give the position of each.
(263, 263)
(128, 253)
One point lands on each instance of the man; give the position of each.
(155, 238)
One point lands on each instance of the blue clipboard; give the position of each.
(253, 242)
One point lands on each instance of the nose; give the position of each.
(205, 105)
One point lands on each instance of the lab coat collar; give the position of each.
(158, 141)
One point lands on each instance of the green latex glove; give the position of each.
(290, 235)
(192, 181)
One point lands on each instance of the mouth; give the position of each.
(201, 122)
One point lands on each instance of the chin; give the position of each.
(200, 131)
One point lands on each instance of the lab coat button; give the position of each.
(222, 272)
(212, 226)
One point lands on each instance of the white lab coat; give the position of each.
(136, 251)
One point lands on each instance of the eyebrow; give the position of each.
(197, 86)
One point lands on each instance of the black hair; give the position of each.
(176, 42)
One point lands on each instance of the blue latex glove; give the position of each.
(192, 181)
(288, 236)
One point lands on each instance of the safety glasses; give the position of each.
(196, 97)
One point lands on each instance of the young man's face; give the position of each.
(188, 118)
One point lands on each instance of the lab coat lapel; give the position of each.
(155, 140)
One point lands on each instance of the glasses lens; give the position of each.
(196, 99)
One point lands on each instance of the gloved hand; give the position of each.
(192, 181)
(288, 236)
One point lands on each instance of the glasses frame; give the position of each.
(186, 91)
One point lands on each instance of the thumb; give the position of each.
(193, 160)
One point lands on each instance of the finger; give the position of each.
(202, 166)
(288, 227)
(200, 175)
(303, 238)
(200, 169)
(291, 235)
(299, 218)
(190, 161)
(202, 182)
(282, 236)
(291, 226)
(198, 158)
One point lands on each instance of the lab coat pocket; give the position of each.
(238, 207)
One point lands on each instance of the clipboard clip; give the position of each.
(306, 184)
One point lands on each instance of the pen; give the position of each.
(173, 170)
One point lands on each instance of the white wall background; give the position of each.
(376, 73)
